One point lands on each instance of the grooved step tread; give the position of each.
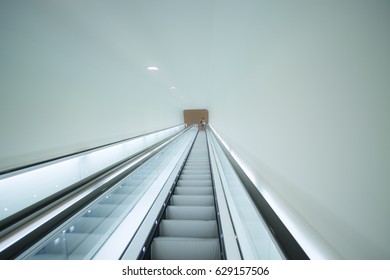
(193, 191)
(186, 168)
(179, 248)
(195, 177)
(189, 228)
(192, 200)
(194, 183)
(190, 212)
(197, 171)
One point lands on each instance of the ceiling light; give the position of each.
(172, 88)
(152, 68)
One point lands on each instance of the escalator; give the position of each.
(189, 228)
(180, 200)
(89, 230)
(117, 198)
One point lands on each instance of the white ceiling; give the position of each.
(199, 45)
(175, 35)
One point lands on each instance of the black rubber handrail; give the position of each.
(286, 241)
(26, 215)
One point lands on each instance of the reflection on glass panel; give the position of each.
(253, 236)
(22, 189)
(83, 235)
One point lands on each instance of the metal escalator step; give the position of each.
(175, 248)
(190, 212)
(193, 191)
(198, 156)
(194, 162)
(187, 167)
(203, 156)
(197, 163)
(194, 183)
(195, 171)
(198, 159)
(199, 168)
(192, 200)
(189, 228)
(196, 167)
(195, 177)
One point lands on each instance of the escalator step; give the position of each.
(196, 171)
(195, 177)
(196, 167)
(192, 200)
(190, 212)
(176, 248)
(189, 228)
(193, 191)
(194, 183)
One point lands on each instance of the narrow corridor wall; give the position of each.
(311, 99)
(67, 81)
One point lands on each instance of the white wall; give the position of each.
(68, 80)
(308, 82)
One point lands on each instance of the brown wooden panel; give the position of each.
(195, 116)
